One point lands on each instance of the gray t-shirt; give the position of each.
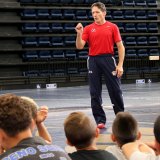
(34, 148)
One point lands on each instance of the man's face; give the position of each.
(98, 15)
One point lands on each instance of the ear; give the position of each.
(1, 136)
(113, 138)
(97, 132)
(139, 135)
(68, 142)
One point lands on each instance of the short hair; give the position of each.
(99, 5)
(15, 114)
(79, 129)
(125, 128)
(157, 129)
(33, 105)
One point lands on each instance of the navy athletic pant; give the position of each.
(98, 66)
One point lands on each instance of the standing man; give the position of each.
(101, 36)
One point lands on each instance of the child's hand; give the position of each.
(42, 114)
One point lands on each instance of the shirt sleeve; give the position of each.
(85, 34)
(116, 33)
(143, 156)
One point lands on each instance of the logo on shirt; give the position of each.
(93, 30)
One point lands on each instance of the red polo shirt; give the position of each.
(101, 38)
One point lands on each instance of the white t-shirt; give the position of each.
(143, 156)
(116, 151)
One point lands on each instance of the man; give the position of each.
(81, 132)
(101, 36)
(16, 136)
(133, 150)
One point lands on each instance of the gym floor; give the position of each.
(141, 100)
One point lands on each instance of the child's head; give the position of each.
(80, 130)
(124, 128)
(157, 130)
(33, 105)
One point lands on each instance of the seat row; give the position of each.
(138, 27)
(131, 14)
(61, 54)
(56, 72)
(48, 41)
(141, 52)
(70, 27)
(70, 41)
(149, 3)
(55, 54)
(141, 40)
(145, 3)
(48, 27)
(86, 14)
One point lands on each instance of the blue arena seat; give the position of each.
(53, 1)
(56, 14)
(130, 27)
(152, 27)
(154, 52)
(58, 54)
(117, 14)
(109, 15)
(29, 41)
(121, 26)
(71, 54)
(140, 3)
(153, 40)
(69, 41)
(56, 27)
(131, 53)
(30, 56)
(83, 71)
(59, 72)
(90, 15)
(44, 41)
(129, 14)
(69, 27)
(57, 41)
(65, 1)
(43, 27)
(78, 2)
(142, 52)
(141, 14)
(83, 54)
(81, 14)
(29, 27)
(39, 1)
(142, 40)
(128, 3)
(29, 14)
(69, 14)
(45, 55)
(32, 73)
(130, 41)
(25, 1)
(72, 70)
(141, 27)
(152, 3)
(90, 1)
(45, 73)
(152, 14)
(43, 13)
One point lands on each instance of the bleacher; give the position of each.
(41, 33)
